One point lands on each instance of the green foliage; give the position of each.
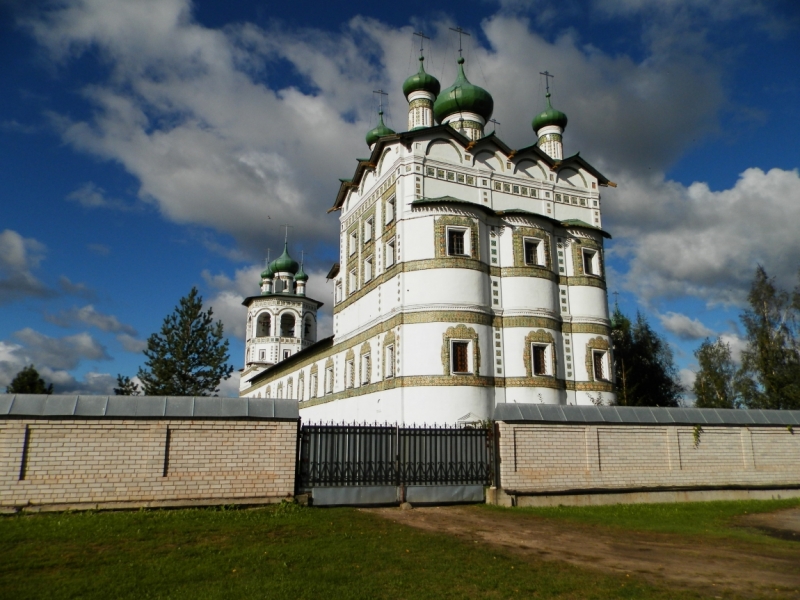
(28, 381)
(770, 373)
(307, 553)
(644, 367)
(126, 387)
(716, 383)
(696, 431)
(189, 356)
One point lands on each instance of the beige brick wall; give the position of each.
(145, 461)
(541, 458)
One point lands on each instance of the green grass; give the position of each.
(276, 552)
(689, 518)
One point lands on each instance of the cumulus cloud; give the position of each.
(89, 315)
(53, 359)
(58, 353)
(75, 289)
(91, 195)
(693, 241)
(214, 139)
(684, 327)
(131, 344)
(19, 256)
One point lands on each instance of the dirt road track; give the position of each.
(716, 569)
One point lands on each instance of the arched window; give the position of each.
(287, 325)
(264, 324)
(308, 328)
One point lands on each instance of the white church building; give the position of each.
(471, 274)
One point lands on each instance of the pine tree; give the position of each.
(189, 356)
(644, 367)
(28, 381)
(716, 383)
(770, 373)
(126, 387)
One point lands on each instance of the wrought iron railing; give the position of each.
(350, 455)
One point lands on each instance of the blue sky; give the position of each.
(149, 146)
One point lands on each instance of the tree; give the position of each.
(28, 381)
(126, 387)
(644, 367)
(770, 373)
(189, 356)
(716, 384)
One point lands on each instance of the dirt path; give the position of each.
(749, 570)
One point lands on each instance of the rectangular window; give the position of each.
(390, 256)
(262, 355)
(539, 357)
(289, 390)
(286, 354)
(368, 269)
(599, 359)
(312, 393)
(531, 251)
(389, 361)
(349, 374)
(338, 296)
(353, 242)
(460, 357)
(365, 374)
(329, 380)
(300, 390)
(455, 242)
(353, 283)
(368, 229)
(390, 206)
(590, 266)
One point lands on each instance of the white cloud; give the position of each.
(737, 345)
(91, 195)
(684, 327)
(58, 353)
(18, 257)
(195, 115)
(89, 315)
(131, 344)
(692, 241)
(53, 358)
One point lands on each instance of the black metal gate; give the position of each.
(347, 455)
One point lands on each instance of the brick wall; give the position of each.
(145, 462)
(541, 458)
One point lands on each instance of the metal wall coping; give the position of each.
(643, 415)
(43, 406)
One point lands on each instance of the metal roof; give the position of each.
(643, 415)
(145, 407)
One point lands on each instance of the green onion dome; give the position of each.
(421, 81)
(301, 275)
(267, 273)
(550, 116)
(284, 263)
(462, 96)
(373, 135)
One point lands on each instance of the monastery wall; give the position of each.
(552, 463)
(61, 463)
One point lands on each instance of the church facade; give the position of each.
(470, 274)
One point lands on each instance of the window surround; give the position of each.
(545, 341)
(390, 254)
(533, 248)
(591, 261)
(458, 239)
(460, 334)
(369, 228)
(391, 208)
